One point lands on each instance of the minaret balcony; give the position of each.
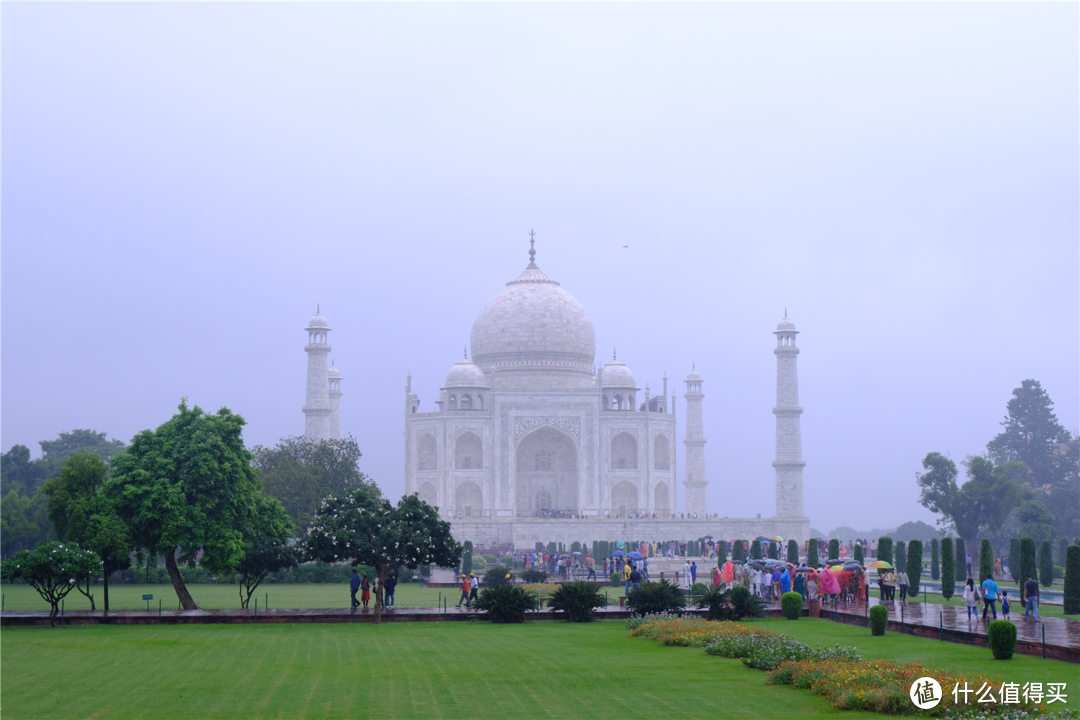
(794, 410)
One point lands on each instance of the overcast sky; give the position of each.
(182, 183)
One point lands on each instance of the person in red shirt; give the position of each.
(464, 593)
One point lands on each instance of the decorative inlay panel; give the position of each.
(569, 425)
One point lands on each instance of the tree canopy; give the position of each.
(364, 528)
(53, 569)
(189, 485)
(986, 499)
(269, 547)
(1033, 436)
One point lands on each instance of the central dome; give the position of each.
(533, 323)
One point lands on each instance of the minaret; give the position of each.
(317, 408)
(695, 481)
(334, 376)
(789, 463)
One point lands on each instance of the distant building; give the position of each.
(322, 411)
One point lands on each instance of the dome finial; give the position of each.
(785, 313)
(614, 353)
(532, 247)
(466, 357)
(317, 310)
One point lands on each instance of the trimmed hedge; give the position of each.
(935, 559)
(879, 618)
(986, 560)
(1002, 639)
(961, 560)
(755, 550)
(812, 553)
(914, 566)
(1046, 564)
(1072, 580)
(791, 605)
(738, 552)
(859, 557)
(1014, 559)
(900, 553)
(466, 557)
(884, 549)
(721, 553)
(793, 552)
(948, 569)
(834, 549)
(1027, 559)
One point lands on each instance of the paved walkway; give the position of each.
(948, 622)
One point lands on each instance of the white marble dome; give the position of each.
(333, 373)
(318, 321)
(785, 325)
(533, 323)
(616, 375)
(464, 374)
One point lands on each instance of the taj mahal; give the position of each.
(530, 442)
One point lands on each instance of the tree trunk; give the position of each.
(186, 600)
(52, 614)
(380, 570)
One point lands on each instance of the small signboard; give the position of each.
(147, 597)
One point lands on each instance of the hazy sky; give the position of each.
(183, 183)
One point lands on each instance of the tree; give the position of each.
(18, 472)
(961, 560)
(82, 513)
(834, 549)
(917, 530)
(269, 546)
(1028, 567)
(773, 551)
(793, 552)
(1046, 564)
(900, 563)
(812, 553)
(914, 565)
(986, 499)
(466, 558)
(300, 472)
(53, 569)
(365, 528)
(1032, 435)
(986, 560)
(738, 552)
(935, 559)
(948, 568)
(24, 522)
(1072, 580)
(188, 486)
(1014, 559)
(1036, 521)
(859, 557)
(722, 553)
(1063, 547)
(884, 549)
(755, 550)
(54, 453)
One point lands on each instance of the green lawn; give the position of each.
(308, 595)
(428, 670)
(454, 670)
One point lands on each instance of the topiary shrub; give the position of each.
(961, 560)
(914, 566)
(948, 571)
(466, 557)
(1002, 639)
(773, 553)
(1046, 564)
(812, 553)
(834, 549)
(698, 589)
(859, 553)
(616, 579)
(879, 618)
(738, 552)
(1014, 559)
(793, 552)
(1027, 559)
(1063, 548)
(884, 549)
(721, 553)
(755, 550)
(900, 553)
(496, 576)
(577, 600)
(935, 559)
(534, 575)
(1072, 580)
(791, 605)
(505, 603)
(986, 560)
(655, 597)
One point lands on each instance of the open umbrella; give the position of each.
(635, 555)
(802, 568)
(852, 566)
(777, 537)
(576, 552)
(835, 561)
(617, 552)
(881, 564)
(620, 544)
(837, 569)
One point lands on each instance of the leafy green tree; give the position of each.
(935, 559)
(901, 556)
(24, 521)
(53, 569)
(1046, 564)
(1072, 580)
(18, 472)
(834, 549)
(1032, 436)
(986, 560)
(365, 528)
(755, 550)
(948, 568)
(986, 499)
(961, 560)
(1036, 521)
(269, 546)
(300, 472)
(1028, 566)
(885, 549)
(82, 513)
(1065, 501)
(914, 566)
(188, 486)
(54, 453)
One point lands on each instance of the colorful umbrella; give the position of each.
(777, 537)
(880, 564)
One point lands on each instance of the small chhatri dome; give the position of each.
(333, 372)
(616, 375)
(786, 325)
(693, 375)
(317, 320)
(466, 373)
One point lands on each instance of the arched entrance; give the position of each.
(468, 501)
(623, 499)
(546, 474)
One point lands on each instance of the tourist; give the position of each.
(776, 584)
(474, 587)
(997, 567)
(606, 573)
(969, 565)
(1031, 598)
(509, 580)
(465, 588)
(693, 573)
(354, 585)
(785, 581)
(716, 576)
(902, 579)
(1005, 604)
(829, 584)
(635, 579)
(800, 585)
(388, 590)
(755, 582)
(365, 591)
(686, 574)
(971, 598)
(890, 584)
(812, 586)
(626, 570)
(990, 595)
(592, 568)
